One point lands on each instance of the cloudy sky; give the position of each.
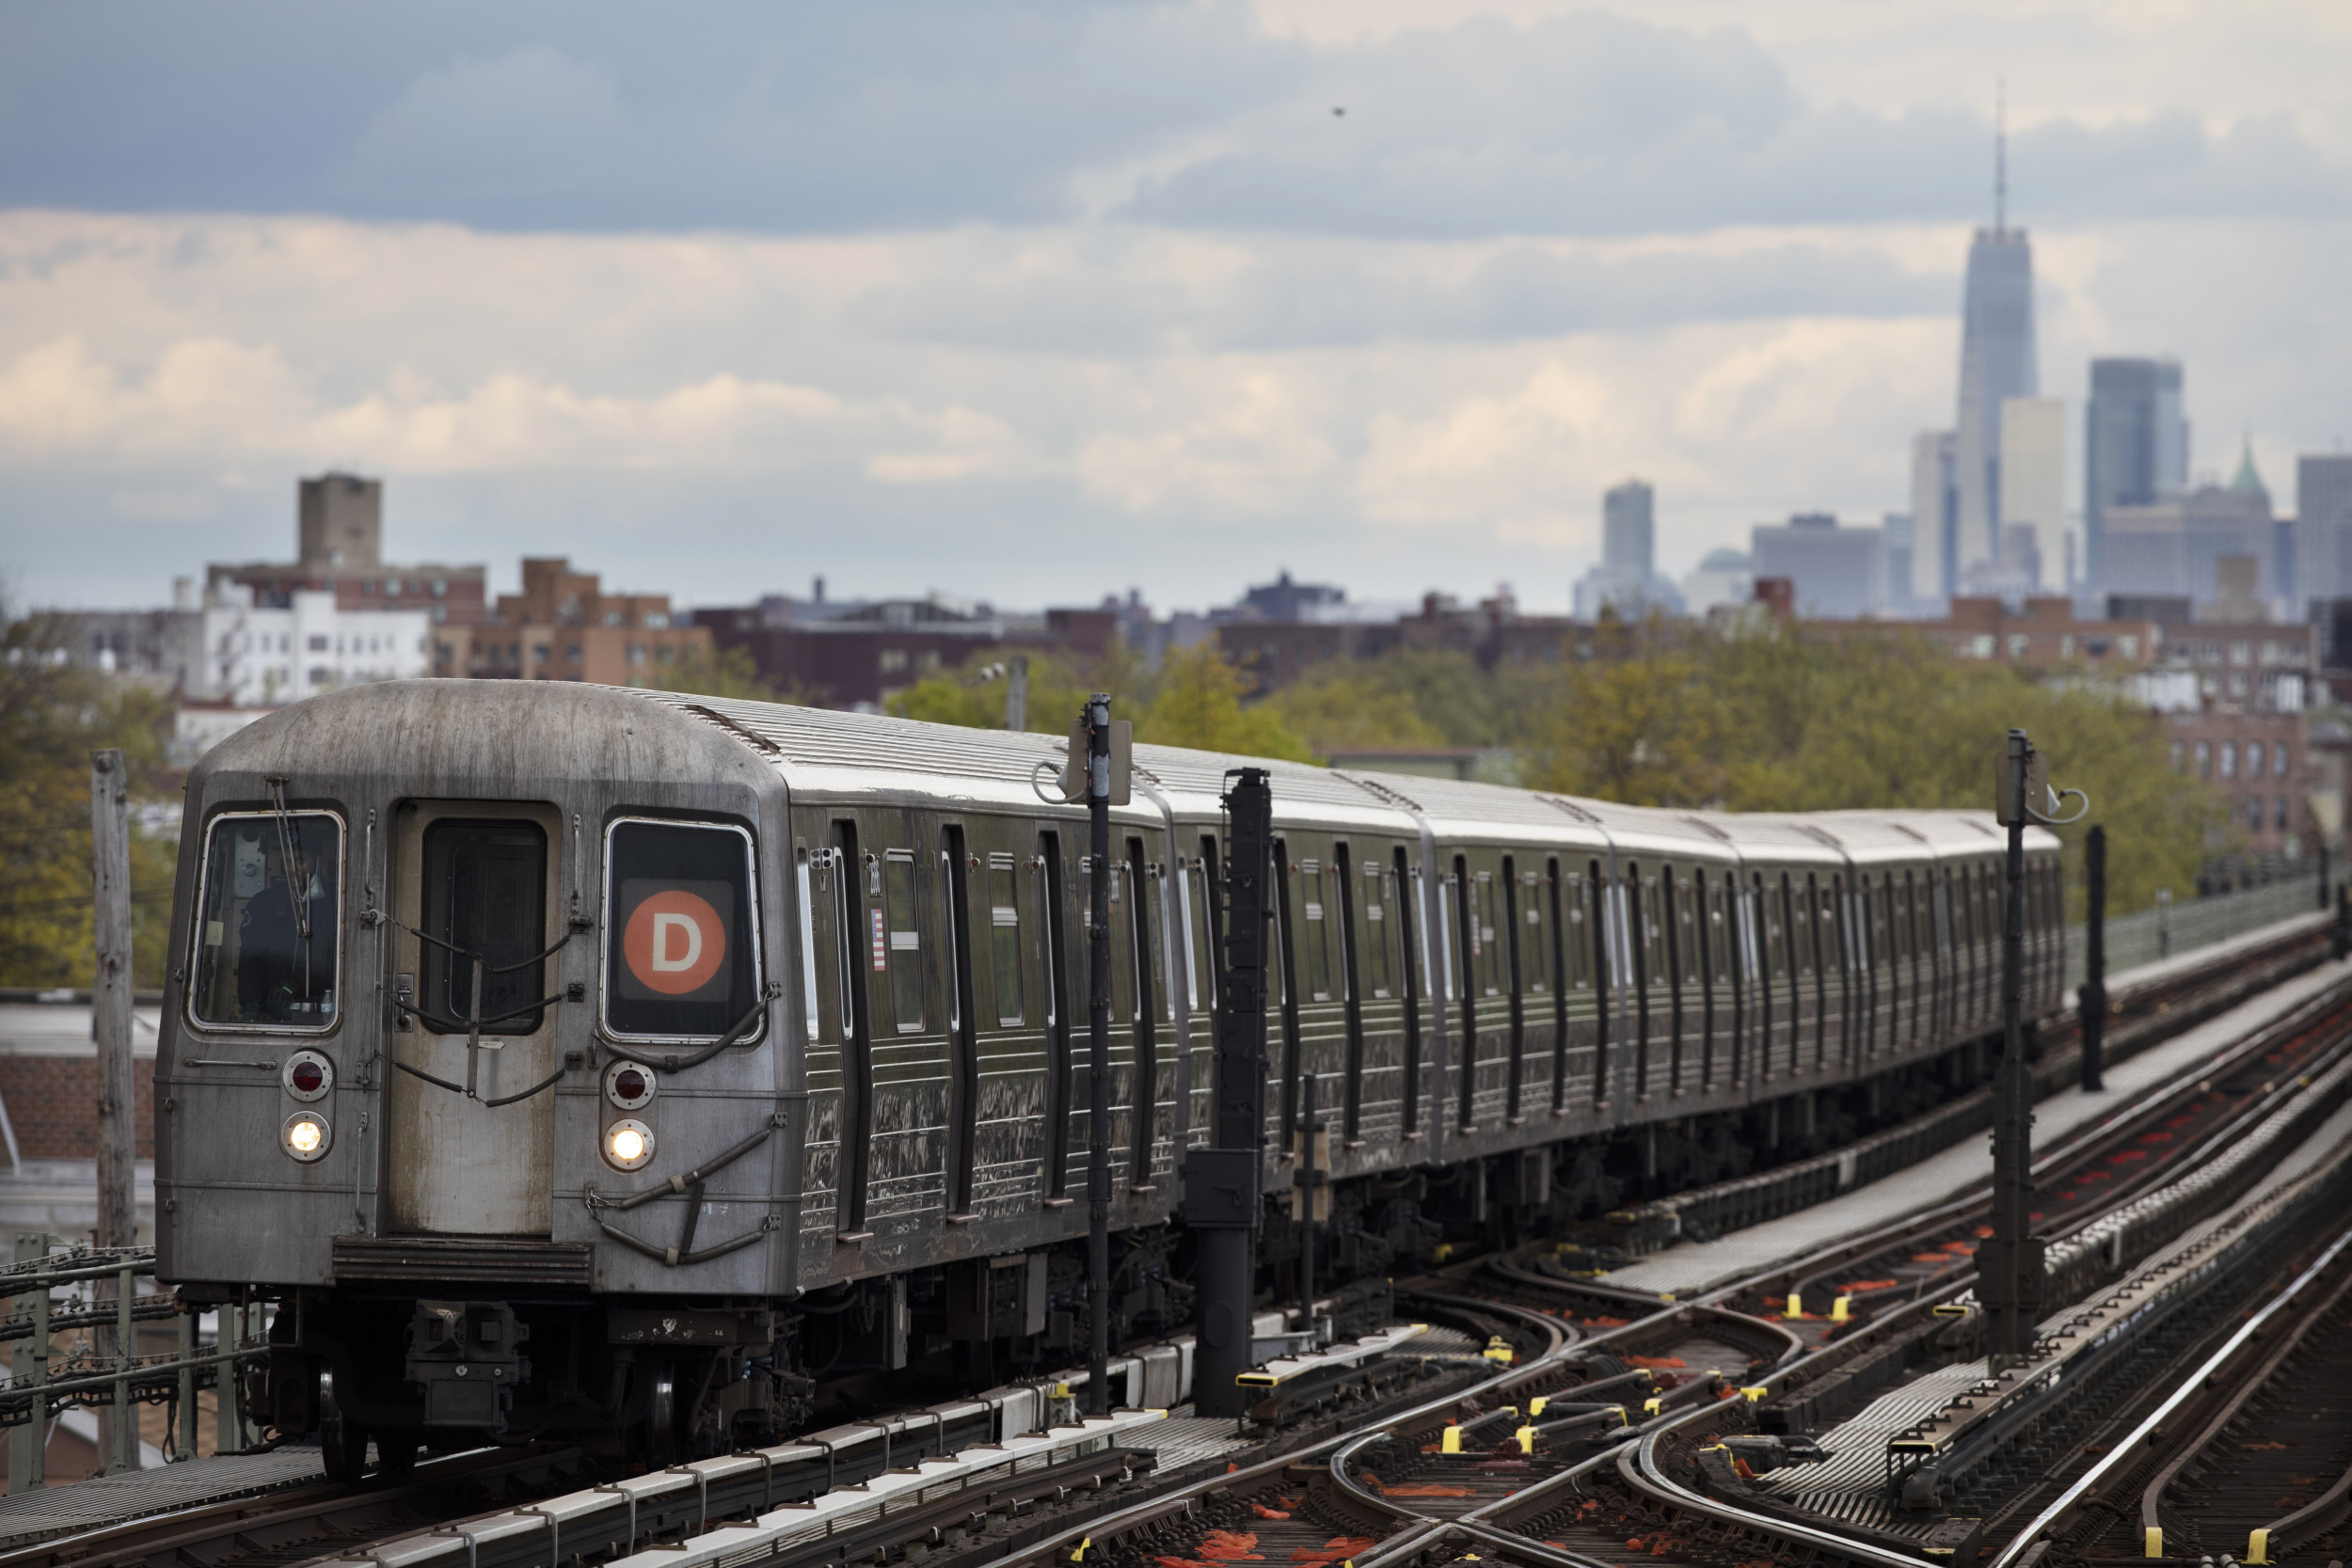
(1032, 300)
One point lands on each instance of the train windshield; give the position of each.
(682, 934)
(267, 921)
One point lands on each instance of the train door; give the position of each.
(476, 895)
(1554, 939)
(1381, 989)
(1412, 936)
(1284, 1108)
(824, 1001)
(1195, 890)
(1682, 966)
(961, 1106)
(1515, 1067)
(1339, 902)
(1053, 927)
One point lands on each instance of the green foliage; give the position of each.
(726, 673)
(1199, 705)
(1770, 719)
(52, 718)
(973, 695)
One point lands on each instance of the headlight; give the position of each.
(306, 1135)
(628, 1144)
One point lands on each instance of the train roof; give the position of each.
(831, 754)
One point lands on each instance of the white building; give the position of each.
(2034, 487)
(258, 658)
(1722, 580)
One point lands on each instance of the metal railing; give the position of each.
(2170, 927)
(105, 1372)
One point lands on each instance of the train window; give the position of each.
(900, 917)
(682, 945)
(1380, 939)
(1482, 944)
(1537, 947)
(1573, 911)
(808, 942)
(1336, 900)
(486, 893)
(1053, 936)
(1199, 919)
(1123, 990)
(1004, 919)
(1316, 932)
(271, 916)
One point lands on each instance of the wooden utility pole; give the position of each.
(110, 998)
(110, 1029)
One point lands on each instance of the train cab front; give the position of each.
(470, 1071)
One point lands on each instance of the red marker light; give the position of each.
(630, 1084)
(307, 1077)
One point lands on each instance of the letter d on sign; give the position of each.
(690, 946)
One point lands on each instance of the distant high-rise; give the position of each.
(340, 522)
(1627, 578)
(1629, 537)
(2323, 536)
(1996, 363)
(2134, 449)
(1934, 506)
(2033, 484)
(1838, 573)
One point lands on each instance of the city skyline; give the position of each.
(1156, 361)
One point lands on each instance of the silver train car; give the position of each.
(666, 1072)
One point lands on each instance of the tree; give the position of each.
(1773, 719)
(722, 673)
(52, 717)
(1199, 705)
(973, 694)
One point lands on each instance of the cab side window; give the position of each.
(268, 922)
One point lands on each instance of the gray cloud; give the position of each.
(1310, 295)
(552, 113)
(1595, 124)
(740, 114)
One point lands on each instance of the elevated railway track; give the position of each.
(1543, 1416)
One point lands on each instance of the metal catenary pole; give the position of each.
(110, 1029)
(1017, 692)
(1099, 1016)
(1221, 1182)
(2093, 995)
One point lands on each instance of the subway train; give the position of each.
(666, 1072)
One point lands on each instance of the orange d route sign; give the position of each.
(674, 942)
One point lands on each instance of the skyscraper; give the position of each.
(2134, 449)
(1996, 363)
(1934, 505)
(1629, 537)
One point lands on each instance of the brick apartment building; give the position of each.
(1277, 653)
(562, 626)
(340, 540)
(858, 657)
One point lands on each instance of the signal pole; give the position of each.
(2093, 996)
(2008, 1265)
(1221, 1181)
(1098, 725)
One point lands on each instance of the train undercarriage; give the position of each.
(663, 1380)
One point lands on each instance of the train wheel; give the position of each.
(343, 1448)
(661, 1443)
(342, 1442)
(396, 1452)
